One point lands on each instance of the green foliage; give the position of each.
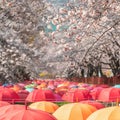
(61, 103)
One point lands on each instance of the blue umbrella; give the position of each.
(29, 89)
(117, 86)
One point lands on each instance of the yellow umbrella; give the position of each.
(44, 106)
(74, 111)
(109, 113)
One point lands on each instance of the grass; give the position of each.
(61, 103)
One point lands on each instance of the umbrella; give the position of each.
(45, 106)
(9, 95)
(61, 90)
(40, 95)
(18, 112)
(10, 108)
(16, 88)
(117, 86)
(103, 85)
(23, 95)
(75, 95)
(58, 97)
(30, 85)
(29, 89)
(73, 86)
(42, 85)
(109, 94)
(4, 103)
(74, 111)
(109, 113)
(96, 104)
(95, 92)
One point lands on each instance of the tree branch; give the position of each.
(98, 39)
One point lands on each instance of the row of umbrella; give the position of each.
(41, 97)
(86, 110)
(65, 91)
(19, 112)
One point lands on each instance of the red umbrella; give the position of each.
(40, 95)
(18, 112)
(9, 95)
(109, 94)
(23, 95)
(75, 95)
(95, 92)
(96, 104)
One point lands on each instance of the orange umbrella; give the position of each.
(18, 112)
(74, 111)
(61, 90)
(109, 113)
(45, 106)
(42, 85)
(16, 88)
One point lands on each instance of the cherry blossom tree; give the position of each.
(74, 38)
(84, 32)
(21, 26)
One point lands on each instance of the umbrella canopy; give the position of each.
(18, 112)
(16, 88)
(117, 86)
(4, 103)
(45, 106)
(96, 104)
(109, 94)
(40, 95)
(58, 98)
(9, 95)
(95, 92)
(74, 111)
(10, 108)
(29, 89)
(61, 90)
(76, 95)
(31, 85)
(23, 95)
(109, 113)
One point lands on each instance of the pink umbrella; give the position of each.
(58, 97)
(4, 103)
(109, 94)
(76, 95)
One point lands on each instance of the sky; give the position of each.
(60, 2)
